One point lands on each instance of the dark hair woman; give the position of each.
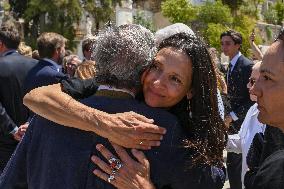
(181, 79)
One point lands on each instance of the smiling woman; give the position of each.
(181, 80)
(169, 78)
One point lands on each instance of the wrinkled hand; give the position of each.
(132, 130)
(21, 131)
(228, 119)
(132, 175)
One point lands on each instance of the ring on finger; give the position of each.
(115, 163)
(141, 143)
(110, 178)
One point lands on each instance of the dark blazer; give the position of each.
(52, 156)
(44, 73)
(268, 164)
(271, 172)
(238, 93)
(13, 71)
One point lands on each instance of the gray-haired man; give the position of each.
(52, 156)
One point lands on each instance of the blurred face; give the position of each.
(169, 79)
(87, 54)
(253, 77)
(72, 66)
(229, 47)
(269, 88)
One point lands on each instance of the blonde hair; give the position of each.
(86, 70)
(24, 49)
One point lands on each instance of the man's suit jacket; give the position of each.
(267, 169)
(53, 156)
(44, 73)
(238, 93)
(13, 71)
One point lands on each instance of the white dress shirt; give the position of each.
(240, 143)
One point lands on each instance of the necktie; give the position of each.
(229, 72)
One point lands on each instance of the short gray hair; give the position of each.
(122, 54)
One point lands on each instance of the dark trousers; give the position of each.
(234, 168)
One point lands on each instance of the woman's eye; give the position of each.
(175, 79)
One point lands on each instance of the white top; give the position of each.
(240, 143)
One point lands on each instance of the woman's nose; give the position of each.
(159, 82)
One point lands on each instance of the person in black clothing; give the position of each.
(268, 172)
(14, 69)
(238, 97)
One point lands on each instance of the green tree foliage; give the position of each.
(212, 34)
(215, 13)
(179, 11)
(234, 5)
(101, 10)
(275, 13)
(48, 15)
(250, 8)
(18, 7)
(245, 25)
(141, 19)
(60, 14)
(210, 20)
(270, 16)
(279, 8)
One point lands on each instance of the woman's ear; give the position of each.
(190, 94)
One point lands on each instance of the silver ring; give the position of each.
(115, 163)
(110, 178)
(141, 142)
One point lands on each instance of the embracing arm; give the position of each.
(127, 129)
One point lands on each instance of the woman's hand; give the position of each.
(132, 130)
(132, 174)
